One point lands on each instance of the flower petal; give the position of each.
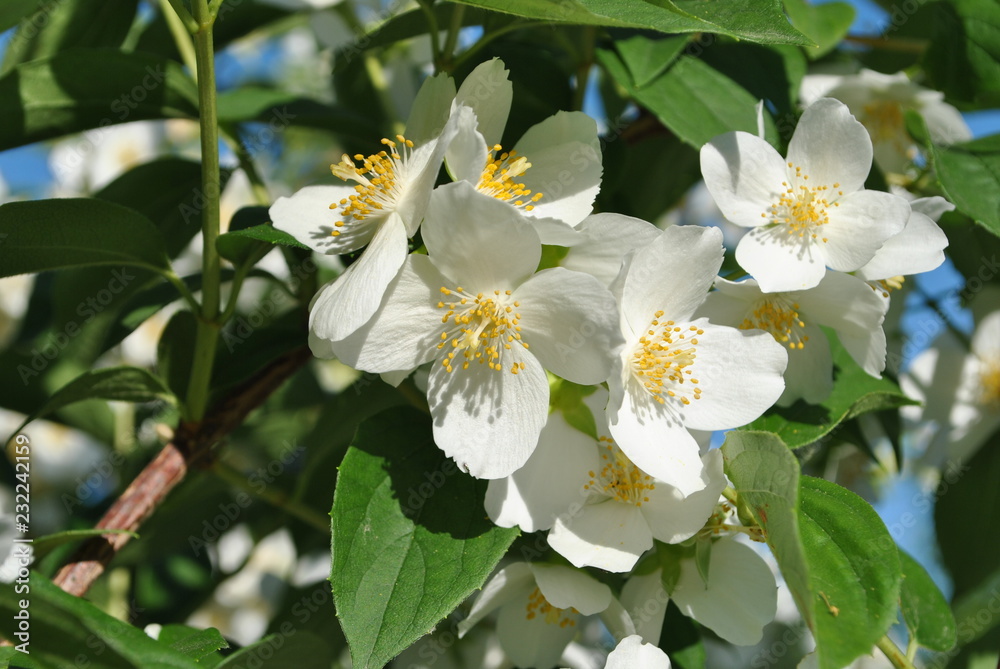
(477, 241)
(533, 642)
(404, 332)
(607, 238)
(674, 518)
(744, 174)
(566, 167)
(307, 216)
(351, 300)
(631, 653)
(809, 374)
(489, 92)
(489, 420)
(571, 323)
(513, 582)
(671, 274)
(740, 374)
(859, 226)
(610, 535)
(566, 587)
(919, 247)
(467, 153)
(831, 146)
(646, 601)
(739, 598)
(430, 108)
(780, 261)
(549, 484)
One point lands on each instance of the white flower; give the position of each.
(603, 510)
(880, 102)
(475, 306)
(632, 653)
(842, 302)
(808, 212)
(540, 606)
(679, 372)
(960, 391)
(738, 599)
(607, 239)
(553, 173)
(919, 247)
(384, 208)
(88, 162)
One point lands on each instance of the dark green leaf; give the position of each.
(52, 234)
(970, 177)
(970, 606)
(692, 99)
(175, 352)
(13, 12)
(647, 58)
(18, 660)
(280, 109)
(854, 393)
(44, 545)
(925, 610)
(240, 246)
(824, 24)
(679, 638)
(123, 384)
(768, 72)
(963, 59)
(56, 96)
(68, 631)
(410, 537)
(302, 650)
(70, 24)
(195, 643)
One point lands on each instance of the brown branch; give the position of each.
(192, 444)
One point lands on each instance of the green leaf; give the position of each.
(292, 648)
(970, 177)
(410, 537)
(18, 660)
(762, 21)
(854, 393)
(647, 58)
(836, 555)
(68, 631)
(963, 58)
(679, 638)
(51, 234)
(281, 109)
(67, 24)
(175, 352)
(239, 246)
(925, 610)
(13, 12)
(970, 606)
(56, 96)
(824, 24)
(195, 643)
(692, 99)
(123, 384)
(42, 546)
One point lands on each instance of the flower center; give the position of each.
(480, 327)
(779, 318)
(662, 358)
(989, 382)
(884, 119)
(619, 479)
(802, 209)
(497, 179)
(378, 180)
(886, 286)
(538, 605)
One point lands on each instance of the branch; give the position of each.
(191, 445)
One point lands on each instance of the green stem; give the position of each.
(432, 31)
(183, 290)
(181, 33)
(730, 494)
(894, 654)
(276, 498)
(208, 328)
(451, 41)
(184, 15)
(583, 67)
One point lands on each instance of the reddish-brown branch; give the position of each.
(192, 443)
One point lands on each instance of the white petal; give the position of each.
(919, 247)
(489, 420)
(617, 620)
(566, 167)
(351, 300)
(831, 146)
(672, 273)
(740, 374)
(405, 332)
(809, 374)
(646, 601)
(549, 484)
(744, 174)
(986, 338)
(321, 348)
(741, 596)
(610, 535)
(780, 261)
(654, 439)
(307, 216)
(945, 123)
(477, 241)
(632, 653)
(608, 237)
(467, 153)
(513, 582)
(570, 321)
(489, 92)
(932, 207)
(430, 109)
(554, 232)
(566, 587)
(860, 226)
(534, 642)
(674, 518)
